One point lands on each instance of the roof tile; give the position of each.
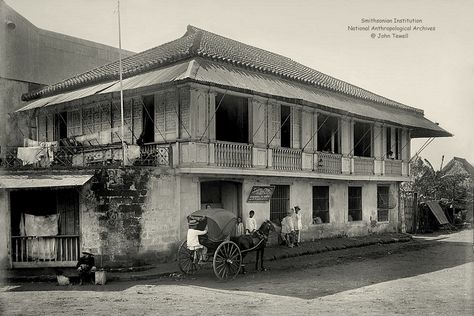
(198, 42)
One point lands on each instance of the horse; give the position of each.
(257, 240)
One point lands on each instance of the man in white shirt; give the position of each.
(288, 228)
(251, 223)
(298, 225)
(193, 240)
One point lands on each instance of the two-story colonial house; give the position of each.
(207, 120)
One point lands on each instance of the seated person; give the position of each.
(86, 267)
(193, 239)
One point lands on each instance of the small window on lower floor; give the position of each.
(355, 204)
(382, 203)
(320, 204)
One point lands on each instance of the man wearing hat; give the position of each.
(192, 239)
(86, 266)
(298, 225)
(288, 228)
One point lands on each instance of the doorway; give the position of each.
(232, 119)
(60, 124)
(148, 127)
(44, 227)
(222, 194)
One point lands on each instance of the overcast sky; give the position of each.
(430, 70)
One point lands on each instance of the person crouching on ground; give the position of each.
(86, 267)
(193, 240)
(288, 228)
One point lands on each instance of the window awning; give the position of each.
(42, 181)
(67, 96)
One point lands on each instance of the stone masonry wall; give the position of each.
(127, 216)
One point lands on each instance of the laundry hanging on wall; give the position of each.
(43, 228)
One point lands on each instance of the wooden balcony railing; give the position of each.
(393, 167)
(32, 249)
(363, 165)
(287, 159)
(235, 155)
(154, 155)
(61, 156)
(328, 163)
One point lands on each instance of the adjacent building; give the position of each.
(461, 174)
(207, 120)
(30, 58)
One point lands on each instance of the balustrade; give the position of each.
(154, 155)
(393, 167)
(328, 163)
(233, 155)
(363, 165)
(287, 159)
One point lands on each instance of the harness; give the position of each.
(257, 235)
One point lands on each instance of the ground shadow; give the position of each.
(316, 275)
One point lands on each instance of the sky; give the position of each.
(432, 69)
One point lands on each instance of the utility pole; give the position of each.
(124, 152)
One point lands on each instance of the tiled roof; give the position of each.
(464, 165)
(198, 42)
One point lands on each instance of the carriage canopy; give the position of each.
(220, 223)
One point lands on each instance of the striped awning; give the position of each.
(67, 96)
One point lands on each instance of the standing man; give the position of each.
(298, 225)
(288, 228)
(251, 223)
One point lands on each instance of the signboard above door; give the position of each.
(261, 193)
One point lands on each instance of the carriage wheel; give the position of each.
(227, 260)
(186, 259)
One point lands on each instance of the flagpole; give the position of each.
(121, 87)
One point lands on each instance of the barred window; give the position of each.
(279, 203)
(320, 204)
(355, 204)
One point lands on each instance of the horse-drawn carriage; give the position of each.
(224, 249)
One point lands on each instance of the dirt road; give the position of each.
(432, 275)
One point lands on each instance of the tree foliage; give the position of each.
(431, 184)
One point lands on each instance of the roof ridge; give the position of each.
(113, 73)
(197, 42)
(338, 82)
(197, 39)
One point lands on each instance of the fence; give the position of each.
(45, 249)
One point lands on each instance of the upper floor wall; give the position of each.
(217, 127)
